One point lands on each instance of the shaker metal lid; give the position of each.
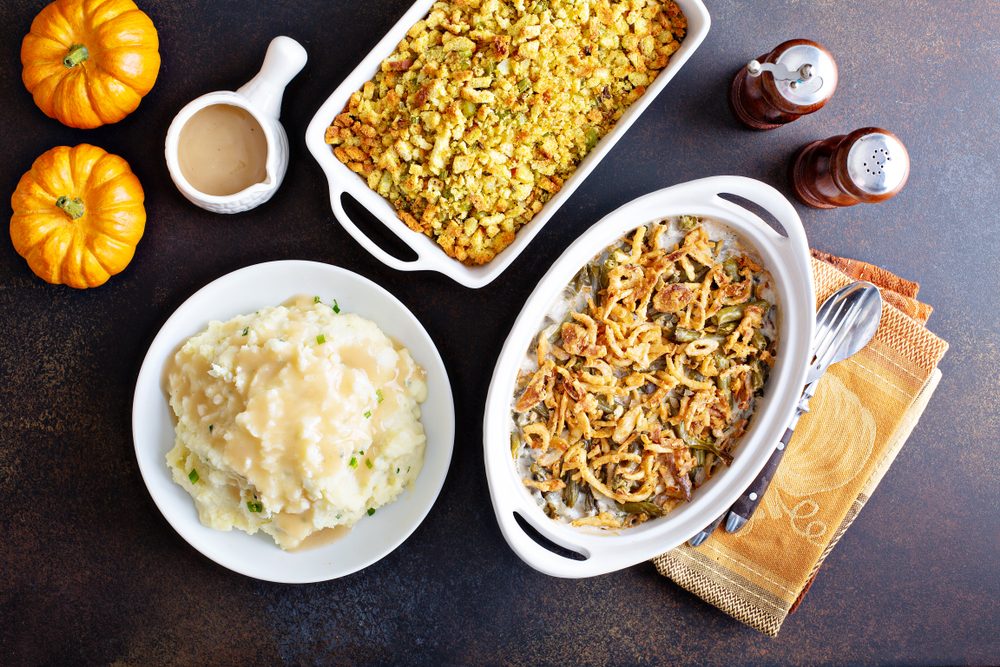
(878, 163)
(820, 78)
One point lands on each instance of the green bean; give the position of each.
(524, 84)
(688, 222)
(682, 335)
(595, 280)
(570, 492)
(588, 499)
(730, 315)
(727, 328)
(592, 138)
(757, 376)
(723, 456)
(515, 445)
(643, 507)
(759, 340)
(556, 334)
(697, 443)
(722, 362)
(541, 411)
(732, 268)
(606, 267)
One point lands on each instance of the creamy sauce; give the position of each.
(222, 150)
(322, 538)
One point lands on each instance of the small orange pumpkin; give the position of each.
(78, 216)
(90, 62)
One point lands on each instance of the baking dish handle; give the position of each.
(421, 263)
(541, 558)
(509, 499)
(772, 201)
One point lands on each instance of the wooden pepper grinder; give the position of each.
(795, 79)
(868, 165)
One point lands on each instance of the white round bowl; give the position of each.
(247, 290)
(786, 257)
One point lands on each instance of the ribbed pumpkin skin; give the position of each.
(86, 251)
(121, 66)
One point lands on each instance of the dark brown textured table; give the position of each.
(92, 573)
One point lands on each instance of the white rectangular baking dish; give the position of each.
(787, 259)
(430, 257)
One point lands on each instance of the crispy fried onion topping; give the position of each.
(644, 390)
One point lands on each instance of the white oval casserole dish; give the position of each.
(787, 259)
(430, 256)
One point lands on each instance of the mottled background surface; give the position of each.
(92, 573)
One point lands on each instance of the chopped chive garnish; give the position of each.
(371, 510)
(397, 471)
(316, 299)
(320, 339)
(354, 462)
(335, 306)
(368, 462)
(361, 451)
(246, 330)
(378, 396)
(193, 476)
(211, 427)
(255, 506)
(368, 414)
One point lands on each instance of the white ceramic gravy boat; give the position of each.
(261, 98)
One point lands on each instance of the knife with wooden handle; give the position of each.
(737, 515)
(743, 509)
(847, 320)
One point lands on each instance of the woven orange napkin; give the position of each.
(862, 413)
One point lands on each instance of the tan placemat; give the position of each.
(863, 411)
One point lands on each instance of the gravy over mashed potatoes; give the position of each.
(294, 419)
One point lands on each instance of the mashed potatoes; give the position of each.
(294, 419)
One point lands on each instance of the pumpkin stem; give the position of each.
(76, 55)
(72, 207)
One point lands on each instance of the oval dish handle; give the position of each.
(418, 264)
(767, 198)
(539, 557)
(793, 246)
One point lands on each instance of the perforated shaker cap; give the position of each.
(823, 75)
(878, 162)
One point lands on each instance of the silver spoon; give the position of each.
(845, 323)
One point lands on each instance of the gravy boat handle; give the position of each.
(284, 59)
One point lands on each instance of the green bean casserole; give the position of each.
(644, 382)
